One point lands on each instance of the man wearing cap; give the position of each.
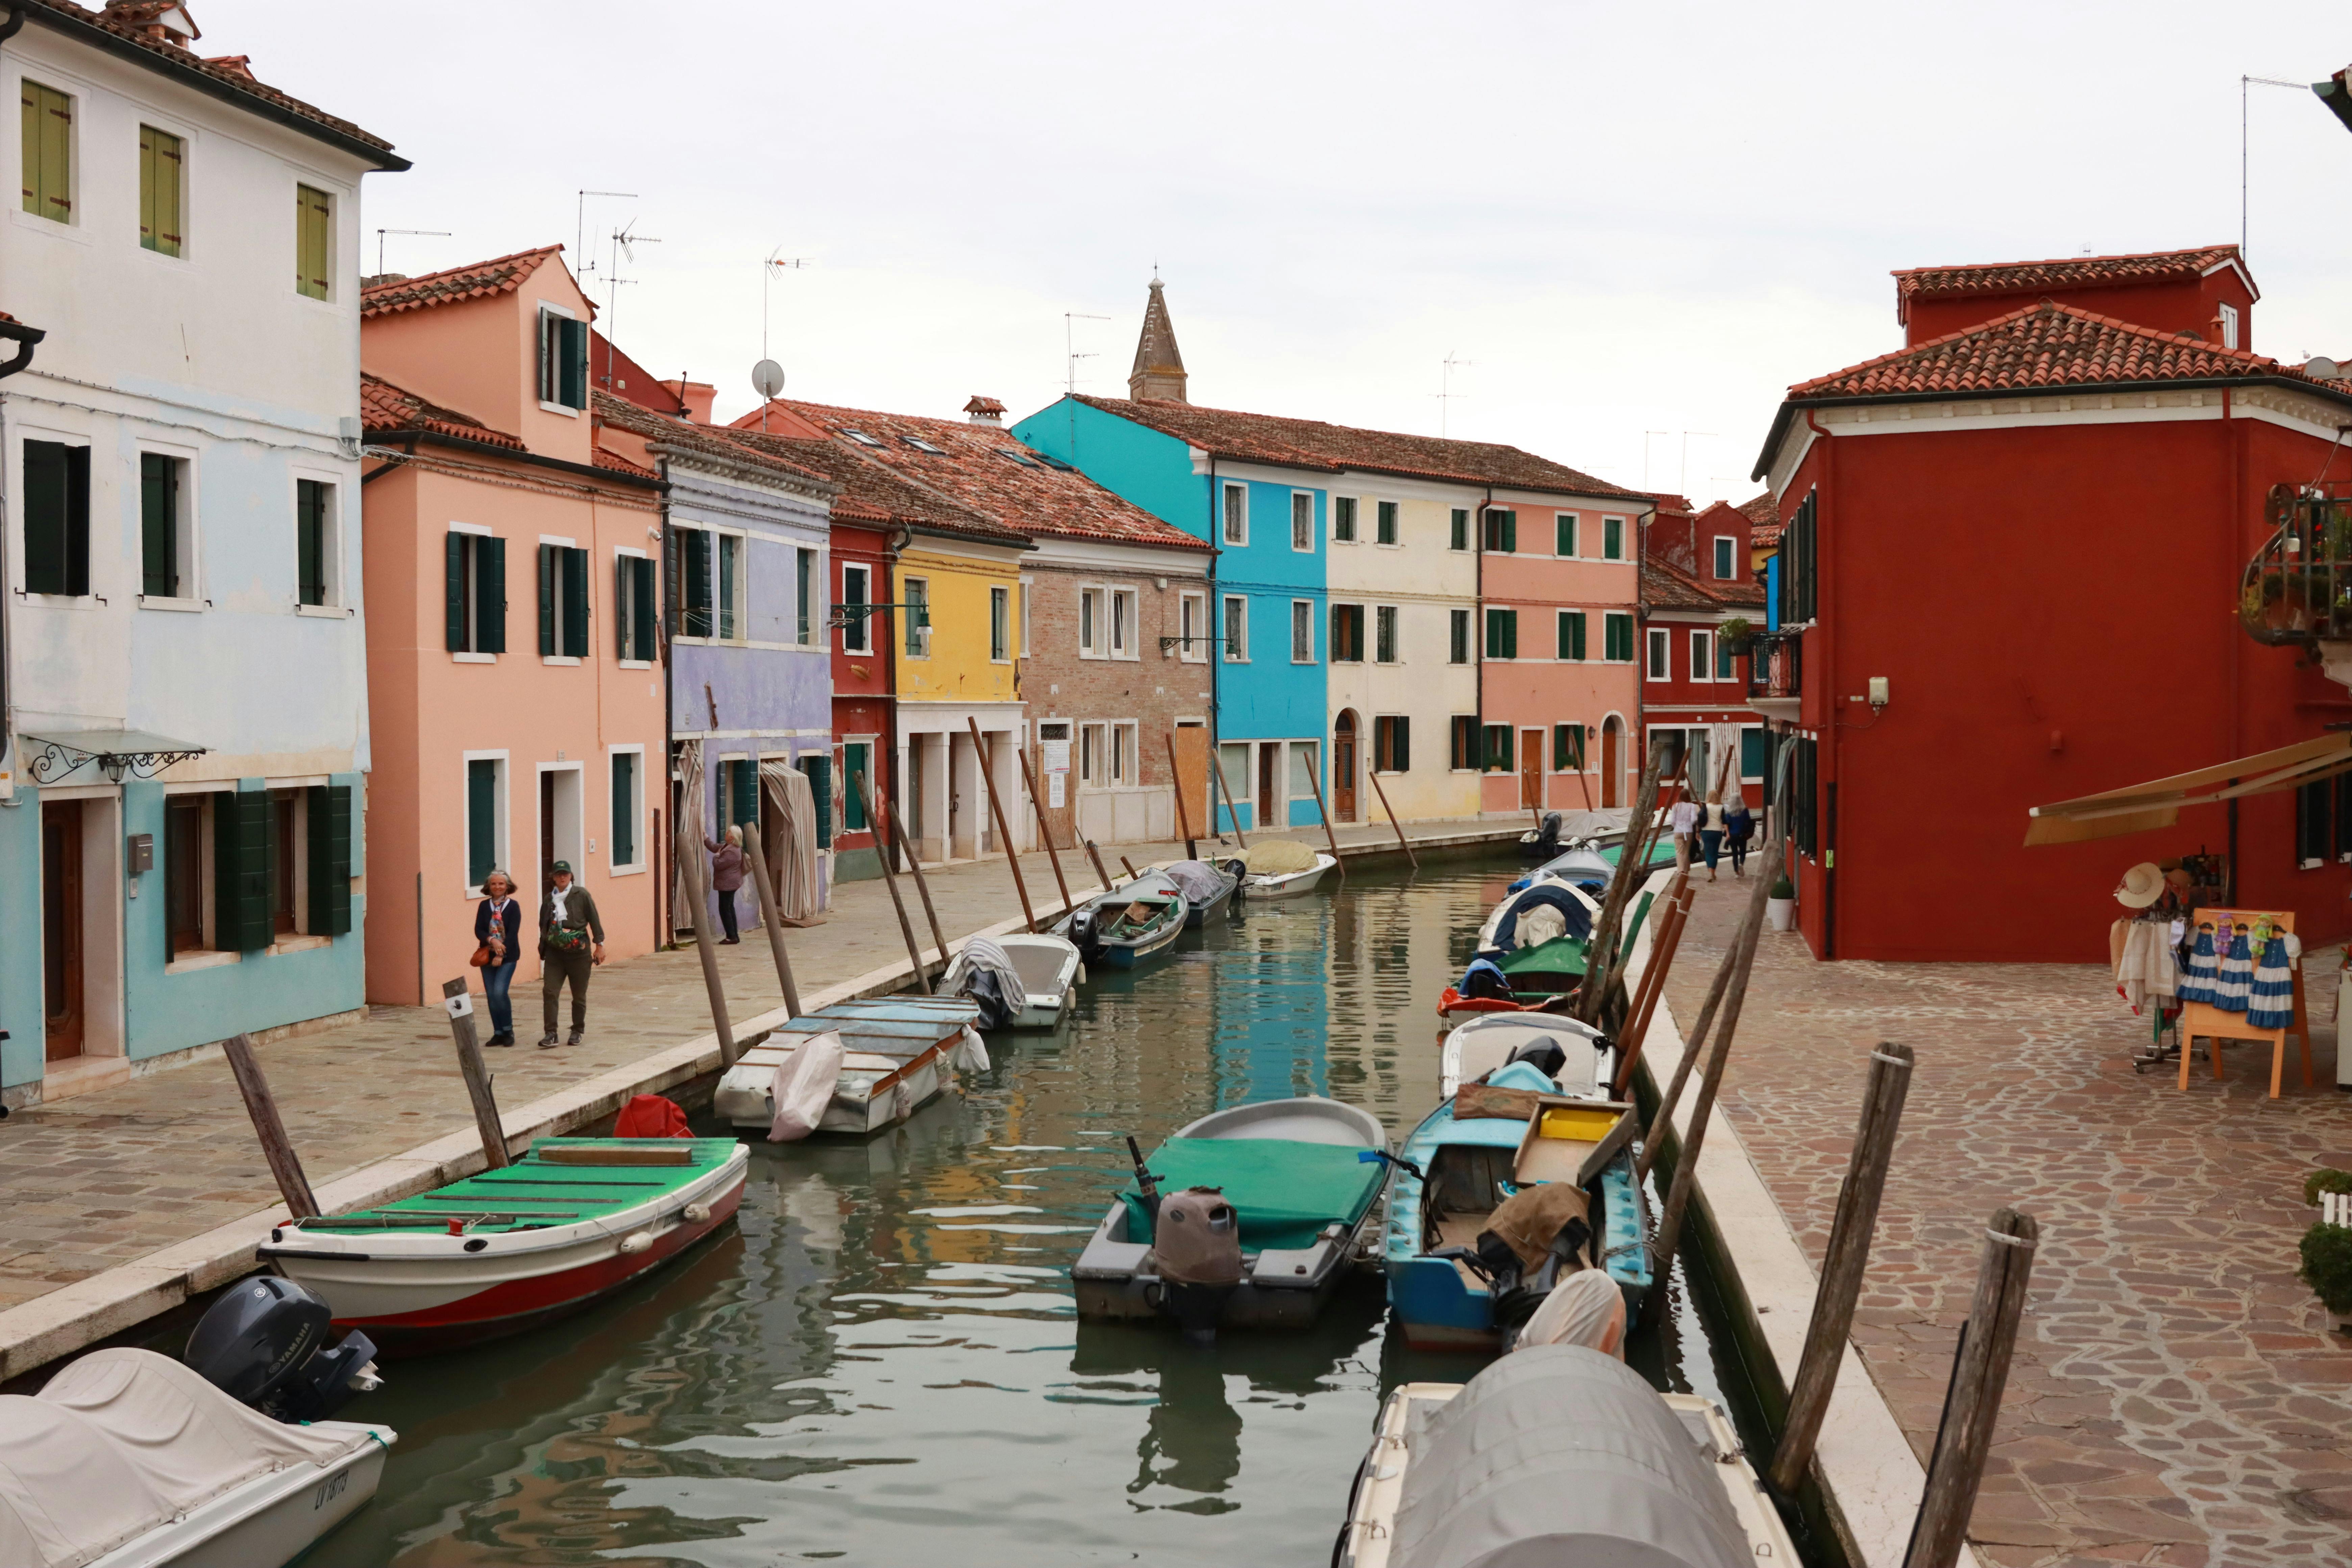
(571, 943)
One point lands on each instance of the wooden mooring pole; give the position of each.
(689, 861)
(1046, 832)
(1972, 1407)
(1842, 1268)
(1411, 860)
(276, 1147)
(1004, 832)
(1663, 944)
(1328, 837)
(771, 915)
(1691, 1049)
(1217, 769)
(890, 879)
(1132, 874)
(1592, 996)
(922, 885)
(460, 1008)
(1095, 855)
(1183, 819)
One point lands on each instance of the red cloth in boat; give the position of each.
(651, 1116)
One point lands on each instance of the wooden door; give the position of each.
(61, 947)
(1053, 763)
(1611, 768)
(1191, 746)
(1343, 767)
(1530, 768)
(1269, 771)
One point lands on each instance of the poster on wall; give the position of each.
(1057, 772)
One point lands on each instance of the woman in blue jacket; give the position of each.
(497, 920)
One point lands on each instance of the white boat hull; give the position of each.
(874, 1092)
(1290, 884)
(269, 1521)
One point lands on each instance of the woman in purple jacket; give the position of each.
(727, 867)
(497, 919)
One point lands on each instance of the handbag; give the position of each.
(482, 958)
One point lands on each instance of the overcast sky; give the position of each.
(1624, 219)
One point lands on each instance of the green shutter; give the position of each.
(575, 603)
(694, 588)
(1461, 528)
(1564, 534)
(624, 623)
(309, 541)
(489, 595)
(56, 518)
(677, 579)
(481, 820)
(1510, 533)
(159, 510)
(47, 151)
(546, 599)
(244, 850)
(818, 765)
(855, 758)
(641, 608)
(1400, 744)
(1510, 634)
(331, 859)
(742, 782)
(806, 560)
(571, 363)
(624, 808)
(454, 592)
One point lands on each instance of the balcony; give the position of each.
(2297, 589)
(1776, 667)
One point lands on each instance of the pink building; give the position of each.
(514, 676)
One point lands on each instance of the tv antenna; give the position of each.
(625, 244)
(1070, 346)
(1682, 474)
(579, 225)
(2246, 83)
(436, 232)
(1445, 393)
(768, 271)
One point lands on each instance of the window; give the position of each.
(163, 521)
(1756, 745)
(738, 793)
(1347, 634)
(187, 843)
(314, 243)
(1460, 538)
(1567, 748)
(690, 582)
(734, 586)
(858, 765)
(1302, 520)
(286, 843)
(1495, 748)
(805, 592)
(1122, 753)
(1302, 633)
(860, 437)
(2229, 326)
(161, 157)
(1090, 749)
(1236, 514)
(562, 602)
(633, 604)
(1502, 530)
(1612, 538)
(1192, 617)
(1122, 623)
(1702, 656)
(485, 811)
(1798, 565)
(1723, 548)
(1617, 638)
(48, 118)
(1391, 743)
(1458, 649)
(1014, 455)
(856, 591)
(918, 617)
(475, 584)
(1387, 524)
(1343, 519)
(1563, 538)
(1000, 625)
(56, 518)
(817, 768)
(1659, 654)
(562, 359)
(2314, 824)
(1571, 635)
(1092, 618)
(1804, 819)
(1237, 629)
(1464, 755)
(1723, 657)
(920, 445)
(623, 844)
(1502, 634)
(315, 573)
(1385, 634)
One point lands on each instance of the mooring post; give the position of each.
(1095, 855)
(1592, 993)
(1972, 1408)
(1005, 832)
(1411, 860)
(1217, 767)
(890, 878)
(689, 861)
(922, 885)
(1691, 1049)
(1328, 837)
(1667, 938)
(459, 1006)
(1183, 819)
(1132, 874)
(771, 915)
(1044, 831)
(276, 1147)
(1841, 1268)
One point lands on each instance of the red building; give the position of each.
(1697, 579)
(2010, 561)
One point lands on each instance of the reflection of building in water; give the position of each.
(1270, 1018)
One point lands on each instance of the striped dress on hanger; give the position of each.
(2270, 999)
(2235, 982)
(2198, 987)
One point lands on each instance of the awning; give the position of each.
(2137, 808)
(116, 752)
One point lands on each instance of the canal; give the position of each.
(878, 1364)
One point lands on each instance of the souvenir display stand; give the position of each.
(2202, 1020)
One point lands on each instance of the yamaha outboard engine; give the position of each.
(1545, 1056)
(1196, 1243)
(1083, 937)
(264, 1343)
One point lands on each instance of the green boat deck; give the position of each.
(560, 1180)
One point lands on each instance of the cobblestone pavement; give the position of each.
(2177, 1396)
(107, 1177)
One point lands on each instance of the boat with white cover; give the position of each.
(1477, 1047)
(1050, 972)
(896, 1061)
(128, 1460)
(1283, 869)
(1561, 1455)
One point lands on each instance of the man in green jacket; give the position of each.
(571, 943)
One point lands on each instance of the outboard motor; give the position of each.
(264, 1345)
(1083, 937)
(1196, 1245)
(1544, 1056)
(1516, 1301)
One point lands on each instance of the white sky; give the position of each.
(1627, 218)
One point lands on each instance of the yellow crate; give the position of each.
(1575, 1122)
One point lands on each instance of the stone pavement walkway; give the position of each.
(107, 1177)
(2177, 1396)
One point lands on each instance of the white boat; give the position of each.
(1562, 1456)
(129, 1460)
(1050, 975)
(1477, 1047)
(896, 1062)
(1289, 884)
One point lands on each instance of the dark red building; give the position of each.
(2010, 569)
(1699, 593)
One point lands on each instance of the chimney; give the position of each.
(698, 397)
(984, 410)
(237, 65)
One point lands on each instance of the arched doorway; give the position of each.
(1613, 746)
(1343, 767)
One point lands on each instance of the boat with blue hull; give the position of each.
(1128, 925)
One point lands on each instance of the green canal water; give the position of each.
(879, 1364)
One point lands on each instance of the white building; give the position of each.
(184, 716)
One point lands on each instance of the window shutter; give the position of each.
(331, 859)
(454, 590)
(489, 595)
(313, 220)
(147, 187)
(1510, 634)
(624, 808)
(743, 792)
(243, 851)
(1510, 533)
(670, 547)
(641, 608)
(546, 600)
(481, 820)
(696, 590)
(624, 624)
(574, 368)
(575, 603)
(1400, 744)
(818, 765)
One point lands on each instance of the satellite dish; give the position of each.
(767, 378)
(2321, 366)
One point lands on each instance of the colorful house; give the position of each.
(514, 658)
(1699, 594)
(185, 730)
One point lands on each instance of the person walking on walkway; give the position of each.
(727, 865)
(1710, 831)
(1739, 827)
(497, 926)
(1683, 820)
(570, 944)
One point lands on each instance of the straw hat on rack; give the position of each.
(2141, 886)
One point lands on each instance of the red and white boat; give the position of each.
(506, 1250)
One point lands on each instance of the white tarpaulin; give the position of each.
(791, 840)
(805, 1085)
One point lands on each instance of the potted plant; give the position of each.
(1737, 635)
(2324, 1180)
(1781, 905)
(2327, 1270)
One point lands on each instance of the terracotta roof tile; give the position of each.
(1665, 587)
(710, 441)
(2061, 272)
(385, 407)
(871, 492)
(1331, 449)
(501, 275)
(619, 465)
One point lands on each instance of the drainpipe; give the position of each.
(2233, 537)
(1216, 657)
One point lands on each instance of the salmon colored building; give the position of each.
(514, 672)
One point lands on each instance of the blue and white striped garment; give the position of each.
(2270, 1000)
(2235, 982)
(2199, 985)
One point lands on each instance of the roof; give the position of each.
(1665, 587)
(984, 470)
(385, 407)
(1763, 520)
(2064, 272)
(619, 465)
(700, 440)
(1333, 448)
(123, 30)
(870, 492)
(501, 275)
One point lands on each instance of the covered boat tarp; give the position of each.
(1484, 978)
(1576, 915)
(984, 972)
(1198, 881)
(1561, 1457)
(1285, 1192)
(124, 1440)
(1565, 956)
(1277, 857)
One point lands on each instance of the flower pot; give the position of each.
(1781, 914)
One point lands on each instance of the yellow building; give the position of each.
(954, 660)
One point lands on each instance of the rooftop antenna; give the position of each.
(579, 225)
(767, 379)
(1070, 341)
(1645, 454)
(1682, 475)
(768, 271)
(1446, 394)
(436, 232)
(625, 244)
(2245, 85)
